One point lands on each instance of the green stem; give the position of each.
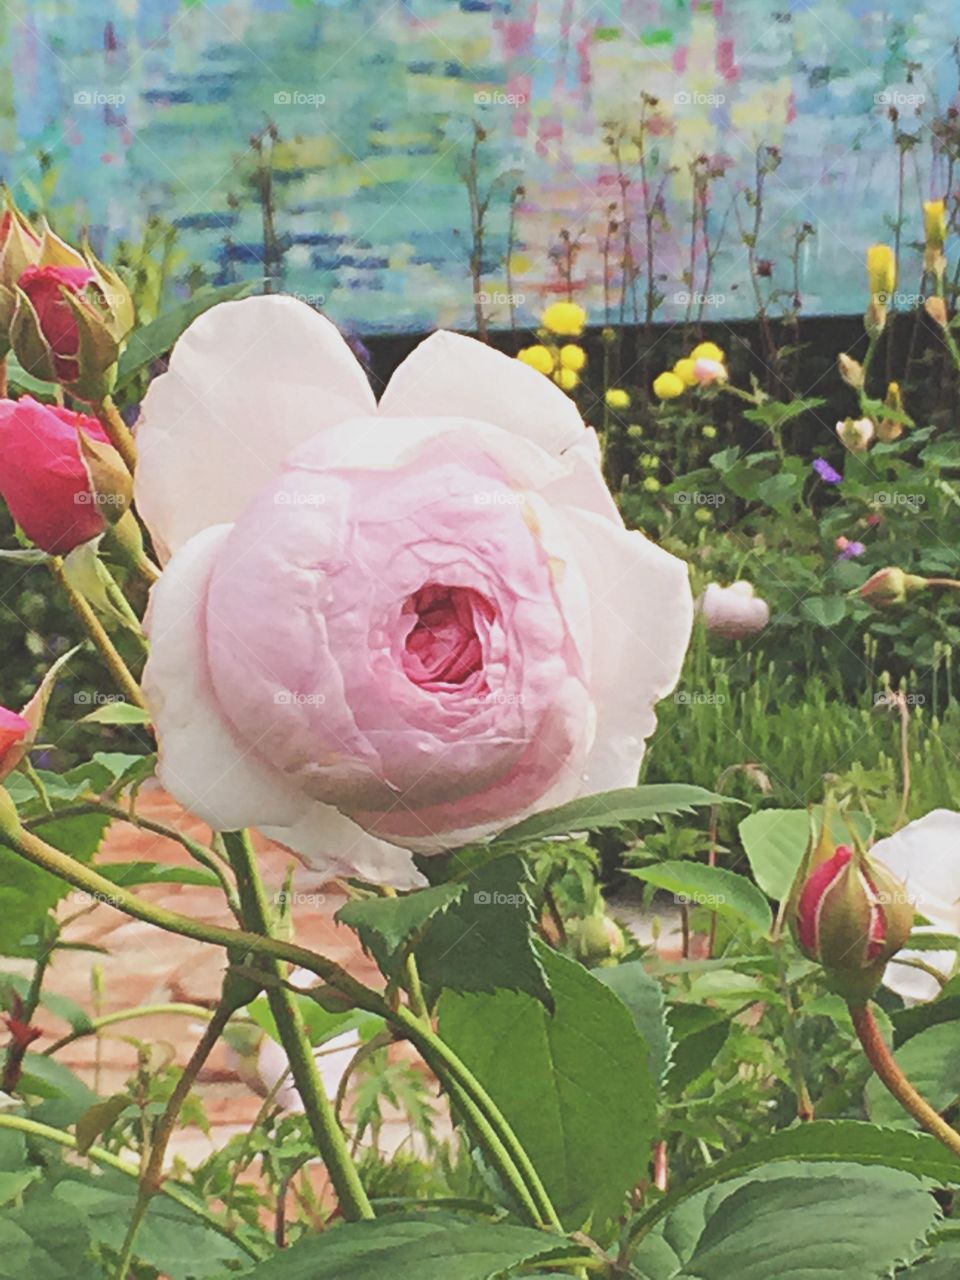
(444, 1062)
(95, 629)
(120, 434)
(127, 1015)
(98, 1155)
(327, 1133)
(151, 1179)
(888, 1069)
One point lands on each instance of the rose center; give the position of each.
(444, 647)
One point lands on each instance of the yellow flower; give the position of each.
(881, 270)
(707, 351)
(652, 484)
(684, 369)
(573, 357)
(668, 386)
(565, 318)
(935, 223)
(567, 379)
(618, 399)
(709, 433)
(538, 357)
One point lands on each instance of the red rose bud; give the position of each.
(48, 291)
(19, 249)
(46, 479)
(851, 915)
(15, 734)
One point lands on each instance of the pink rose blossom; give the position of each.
(44, 287)
(15, 733)
(43, 476)
(389, 627)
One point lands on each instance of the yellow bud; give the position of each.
(936, 309)
(566, 379)
(707, 351)
(935, 223)
(881, 271)
(851, 371)
(573, 357)
(538, 357)
(567, 319)
(684, 369)
(668, 386)
(617, 399)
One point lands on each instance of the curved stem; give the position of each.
(446, 1065)
(121, 437)
(151, 1180)
(889, 1071)
(127, 1015)
(324, 1124)
(97, 632)
(34, 1129)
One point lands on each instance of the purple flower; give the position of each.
(852, 551)
(827, 473)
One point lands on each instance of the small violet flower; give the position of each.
(827, 473)
(848, 550)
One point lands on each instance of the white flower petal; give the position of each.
(248, 381)
(449, 375)
(642, 610)
(913, 985)
(201, 763)
(926, 857)
(330, 843)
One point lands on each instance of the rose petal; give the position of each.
(926, 857)
(328, 842)
(913, 985)
(449, 375)
(642, 612)
(248, 381)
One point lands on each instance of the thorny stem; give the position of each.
(324, 1125)
(121, 437)
(151, 1180)
(887, 1068)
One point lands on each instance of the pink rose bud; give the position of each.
(15, 731)
(708, 371)
(734, 611)
(890, 586)
(57, 319)
(44, 476)
(851, 915)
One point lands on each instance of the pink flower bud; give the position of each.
(708, 371)
(57, 319)
(15, 731)
(851, 915)
(734, 611)
(43, 475)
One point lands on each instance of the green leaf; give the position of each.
(839, 1141)
(426, 1247)
(66, 1096)
(97, 1119)
(613, 809)
(45, 1242)
(484, 941)
(778, 491)
(171, 1238)
(775, 841)
(386, 925)
(643, 996)
(825, 611)
(699, 1034)
(117, 713)
(575, 1085)
(156, 339)
(775, 413)
(13, 1185)
(136, 873)
(810, 1226)
(715, 888)
(931, 1061)
(27, 384)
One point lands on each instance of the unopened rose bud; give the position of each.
(851, 915)
(597, 938)
(851, 371)
(44, 476)
(856, 434)
(890, 586)
(15, 733)
(936, 309)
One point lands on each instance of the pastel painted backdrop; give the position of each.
(147, 106)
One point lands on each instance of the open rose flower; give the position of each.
(926, 856)
(406, 625)
(45, 478)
